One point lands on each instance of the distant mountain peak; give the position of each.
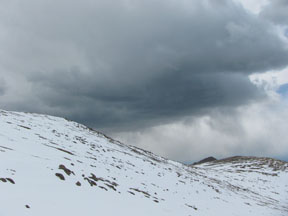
(205, 160)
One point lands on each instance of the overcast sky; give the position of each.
(185, 79)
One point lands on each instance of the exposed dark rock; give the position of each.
(7, 180)
(205, 160)
(60, 176)
(10, 180)
(66, 170)
(3, 180)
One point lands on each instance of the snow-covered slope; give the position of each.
(51, 166)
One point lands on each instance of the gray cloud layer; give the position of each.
(2, 87)
(132, 63)
(253, 130)
(276, 11)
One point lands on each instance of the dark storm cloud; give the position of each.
(124, 62)
(176, 94)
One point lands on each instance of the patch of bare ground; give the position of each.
(7, 180)
(60, 176)
(93, 179)
(66, 170)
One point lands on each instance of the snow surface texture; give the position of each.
(51, 166)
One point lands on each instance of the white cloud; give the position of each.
(253, 6)
(270, 80)
(258, 129)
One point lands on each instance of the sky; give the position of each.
(185, 79)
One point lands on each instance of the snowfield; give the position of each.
(52, 166)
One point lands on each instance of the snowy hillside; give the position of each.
(51, 166)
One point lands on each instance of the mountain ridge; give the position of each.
(53, 166)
